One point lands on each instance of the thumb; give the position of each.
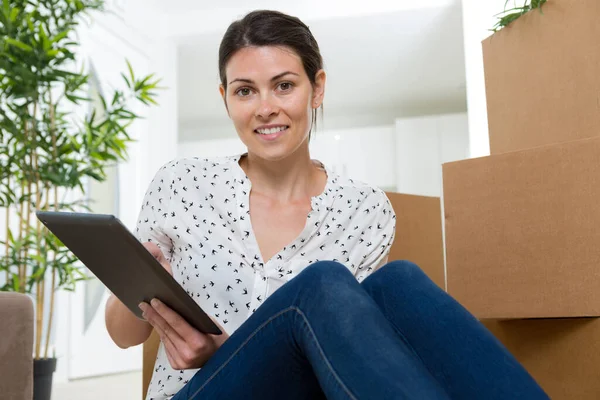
(158, 254)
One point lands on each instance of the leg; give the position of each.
(320, 333)
(460, 353)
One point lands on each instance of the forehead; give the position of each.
(263, 62)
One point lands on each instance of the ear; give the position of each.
(319, 89)
(224, 96)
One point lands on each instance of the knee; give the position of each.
(325, 272)
(325, 277)
(400, 276)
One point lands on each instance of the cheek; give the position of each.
(299, 108)
(241, 113)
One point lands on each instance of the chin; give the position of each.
(271, 154)
(282, 148)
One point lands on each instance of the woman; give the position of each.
(289, 260)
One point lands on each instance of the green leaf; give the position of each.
(6, 6)
(60, 36)
(131, 75)
(18, 44)
(45, 42)
(126, 80)
(14, 14)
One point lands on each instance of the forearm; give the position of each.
(124, 328)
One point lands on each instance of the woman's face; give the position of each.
(270, 100)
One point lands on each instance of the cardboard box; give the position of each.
(522, 232)
(561, 354)
(542, 77)
(419, 234)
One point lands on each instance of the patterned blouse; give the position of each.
(197, 212)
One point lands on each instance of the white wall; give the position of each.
(364, 154)
(478, 18)
(423, 144)
(211, 148)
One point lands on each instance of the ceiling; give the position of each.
(382, 66)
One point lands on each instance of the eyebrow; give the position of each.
(278, 76)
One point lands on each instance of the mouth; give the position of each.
(271, 133)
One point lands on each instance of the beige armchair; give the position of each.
(16, 346)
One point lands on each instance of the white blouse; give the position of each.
(196, 211)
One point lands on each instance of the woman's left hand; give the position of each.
(186, 347)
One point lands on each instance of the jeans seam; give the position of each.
(324, 357)
(244, 343)
(263, 325)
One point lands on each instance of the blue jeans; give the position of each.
(394, 336)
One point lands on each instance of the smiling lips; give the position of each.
(271, 132)
(268, 130)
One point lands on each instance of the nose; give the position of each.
(266, 108)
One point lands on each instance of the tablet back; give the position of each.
(123, 264)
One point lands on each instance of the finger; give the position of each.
(175, 321)
(162, 327)
(173, 355)
(172, 361)
(171, 351)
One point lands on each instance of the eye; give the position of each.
(286, 86)
(243, 92)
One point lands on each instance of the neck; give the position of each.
(292, 179)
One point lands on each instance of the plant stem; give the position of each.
(39, 318)
(33, 176)
(22, 268)
(29, 177)
(22, 271)
(52, 288)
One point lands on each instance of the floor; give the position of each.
(115, 387)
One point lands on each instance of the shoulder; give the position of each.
(181, 167)
(363, 193)
(188, 164)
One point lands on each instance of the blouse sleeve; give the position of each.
(154, 211)
(377, 247)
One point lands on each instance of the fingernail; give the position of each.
(155, 302)
(142, 306)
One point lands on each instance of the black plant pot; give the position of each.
(43, 369)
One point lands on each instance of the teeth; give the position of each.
(271, 130)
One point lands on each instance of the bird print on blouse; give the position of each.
(197, 212)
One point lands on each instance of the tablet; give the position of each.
(123, 264)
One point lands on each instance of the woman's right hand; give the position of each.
(185, 346)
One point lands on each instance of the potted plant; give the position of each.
(50, 149)
(512, 14)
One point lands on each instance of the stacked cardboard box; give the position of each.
(522, 225)
(419, 237)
